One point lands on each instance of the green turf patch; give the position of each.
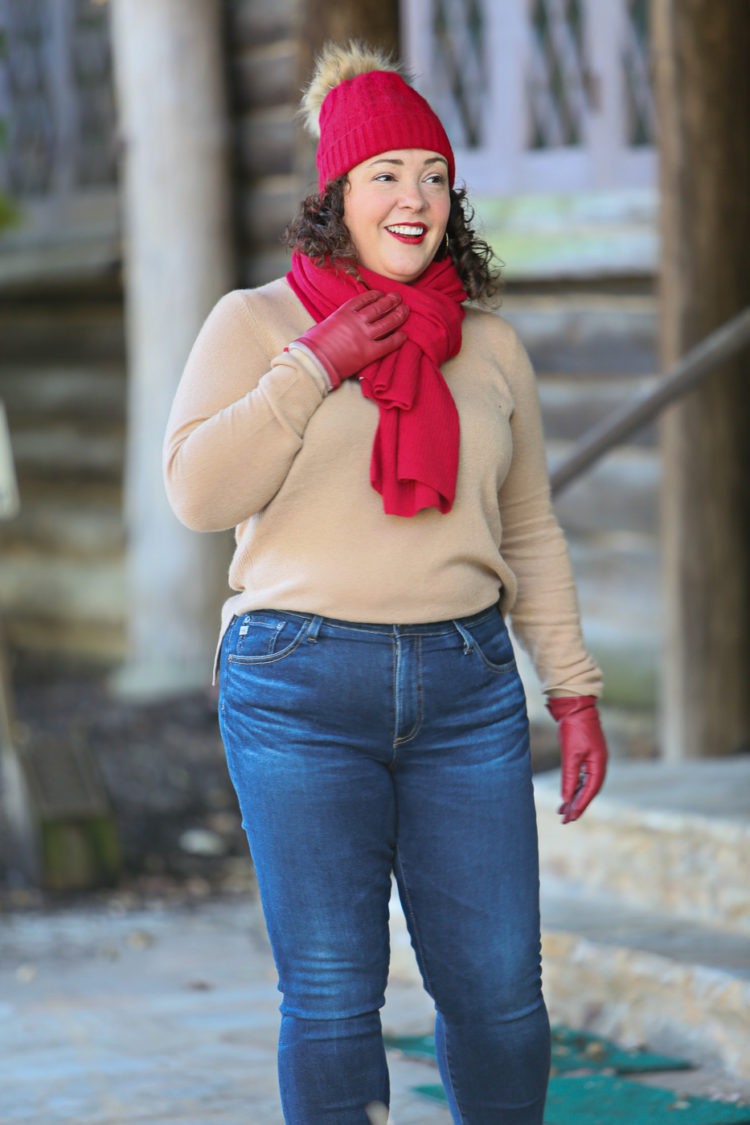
(571, 1050)
(592, 1099)
(580, 1050)
(419, 1046)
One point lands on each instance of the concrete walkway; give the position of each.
(121, 1013)
(158, 1016)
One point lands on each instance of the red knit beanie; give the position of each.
(361, 106)
(373, 113)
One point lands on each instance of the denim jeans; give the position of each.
(358, 751)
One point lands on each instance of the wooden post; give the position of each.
(376, 22)
(169, 70)
(702, 70)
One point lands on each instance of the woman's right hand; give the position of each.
(364, 329)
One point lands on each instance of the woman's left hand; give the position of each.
(583, 751)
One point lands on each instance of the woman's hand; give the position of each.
(583, 751)
(363, 330)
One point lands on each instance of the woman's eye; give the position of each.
(436, 178)
(385, 177)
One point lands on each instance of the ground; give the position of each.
(153, 1002)
(163, 769)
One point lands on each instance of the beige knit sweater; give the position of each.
(256, 442)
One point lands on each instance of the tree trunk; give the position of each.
(177, 198)
(702, 66)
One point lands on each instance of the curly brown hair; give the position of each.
(319, 231)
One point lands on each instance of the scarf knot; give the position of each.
(414, 463)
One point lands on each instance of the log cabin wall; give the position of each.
(272, 166)
(62, 359)
(62, 378)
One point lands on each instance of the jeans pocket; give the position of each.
(492, 644)
(263, 638)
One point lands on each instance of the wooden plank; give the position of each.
(70, 448)
(44, 327)
(9, 502)
(255, 22)
(70, 391)
(266, 141)
(267, 207)
(264, 76)
(62, 588)
(64, 525)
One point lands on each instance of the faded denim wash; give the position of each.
(359, 750)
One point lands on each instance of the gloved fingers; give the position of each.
(572, 765)
(390, 320)
(362, 300)
(388, 344)
(583, 798)
(586, 785)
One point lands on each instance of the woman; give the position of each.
(377, 446)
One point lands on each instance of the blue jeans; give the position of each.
(359, 750)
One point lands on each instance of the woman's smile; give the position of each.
(408, 232)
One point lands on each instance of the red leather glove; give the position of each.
(583, 751)
(362, 330)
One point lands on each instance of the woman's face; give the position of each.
(396, 208)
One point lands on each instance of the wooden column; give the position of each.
(169, 71)
(376, 22)
(702, 70)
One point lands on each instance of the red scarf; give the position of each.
(415, 456)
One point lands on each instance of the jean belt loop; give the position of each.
(314, 629)
(467, 637)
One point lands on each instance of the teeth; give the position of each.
(408, 231)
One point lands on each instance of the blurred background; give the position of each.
(149, 162)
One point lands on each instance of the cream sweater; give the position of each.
(256, 442)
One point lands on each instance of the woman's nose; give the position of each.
(412, 198)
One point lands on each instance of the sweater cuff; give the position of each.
(312, 366)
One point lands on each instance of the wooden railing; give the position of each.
(718, 347)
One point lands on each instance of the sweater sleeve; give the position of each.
(237, 421)
(545, 614)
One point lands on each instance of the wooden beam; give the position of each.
(688, 373)
(177, 200)
(701, 54)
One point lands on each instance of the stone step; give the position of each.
(633, 975)
(672, 837)
(641, 976)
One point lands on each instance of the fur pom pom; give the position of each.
(335, 65)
